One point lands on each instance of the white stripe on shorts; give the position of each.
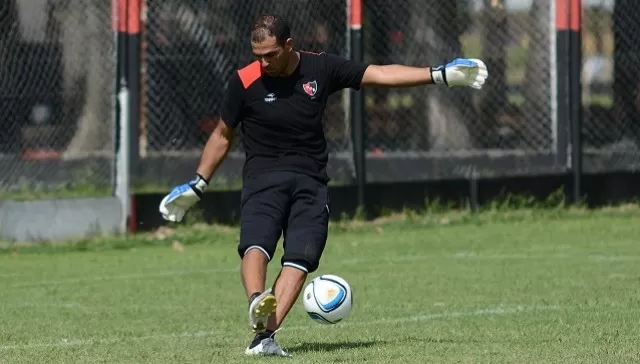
(294, 265)
(259, 248)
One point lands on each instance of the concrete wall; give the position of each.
(51, 220)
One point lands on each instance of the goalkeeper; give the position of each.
(278, 103)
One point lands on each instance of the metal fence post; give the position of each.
(126, 22)
(133, 81)
(575, 95)
(357, 102)
(121, 114)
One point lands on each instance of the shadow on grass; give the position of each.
(350, 345)
(332, 346)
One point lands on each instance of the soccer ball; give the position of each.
(327, 299)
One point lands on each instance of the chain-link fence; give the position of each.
(611, 85)
(447, 129)
(58, 72)
(57, 75)
(191, 47)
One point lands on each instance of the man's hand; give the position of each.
(461, 72)
(176, 204)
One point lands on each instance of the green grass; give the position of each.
(28, 193)
(32, 194)
(94, 190)
(525, 286)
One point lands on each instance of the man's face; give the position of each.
(273, 56)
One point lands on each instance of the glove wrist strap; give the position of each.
(199, 183)
(438, 75)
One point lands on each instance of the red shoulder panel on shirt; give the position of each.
(250, 74)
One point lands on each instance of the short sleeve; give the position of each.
(344, 73)
(233, 101)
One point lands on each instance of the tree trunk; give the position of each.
(9, 43)
(626, 80)
(87, 44)
(491, 102)
(537, 106)
(448, 110)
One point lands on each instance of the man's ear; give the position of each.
(288, 45)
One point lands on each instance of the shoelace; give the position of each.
(274, 333)
(271, 345)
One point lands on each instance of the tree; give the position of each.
(492, 101)
(9, 41)
(88, 75)
(435, 28)
(537, 104)
(626, 80)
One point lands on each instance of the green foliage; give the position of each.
(435, 213)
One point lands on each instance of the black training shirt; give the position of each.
(281, 117)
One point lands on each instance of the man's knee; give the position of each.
(258, 235)
(264, 203)
(260, 228)
(242, 251)
(304, 252)
(263, 246)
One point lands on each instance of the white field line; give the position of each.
(557, 256)
(396, 259)
(76, 306)
(10, 275)
(182, 272)
(156, 274)
(492, 311)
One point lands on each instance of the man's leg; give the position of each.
(265, 208)
(304, 241)
(253, 271)
(263, 212)
(286, 289)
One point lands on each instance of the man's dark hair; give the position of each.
(268, 25)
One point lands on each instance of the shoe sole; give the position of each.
(264, 309)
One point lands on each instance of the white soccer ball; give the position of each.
(327, 299)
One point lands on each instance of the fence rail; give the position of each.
(59, 77)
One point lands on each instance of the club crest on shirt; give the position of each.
(310, 88)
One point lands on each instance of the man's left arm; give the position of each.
(459, 72)
(350, 74)
(396, 75)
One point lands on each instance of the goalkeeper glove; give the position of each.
(176, 204)
(461, 72)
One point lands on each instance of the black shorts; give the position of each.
(288, 204)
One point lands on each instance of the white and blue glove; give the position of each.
(182, 198)
(461, 72)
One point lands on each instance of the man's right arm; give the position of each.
(175, 205)
(215, 150)
(222, 136)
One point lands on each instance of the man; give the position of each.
(278, 101)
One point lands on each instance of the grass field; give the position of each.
(522, 288)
